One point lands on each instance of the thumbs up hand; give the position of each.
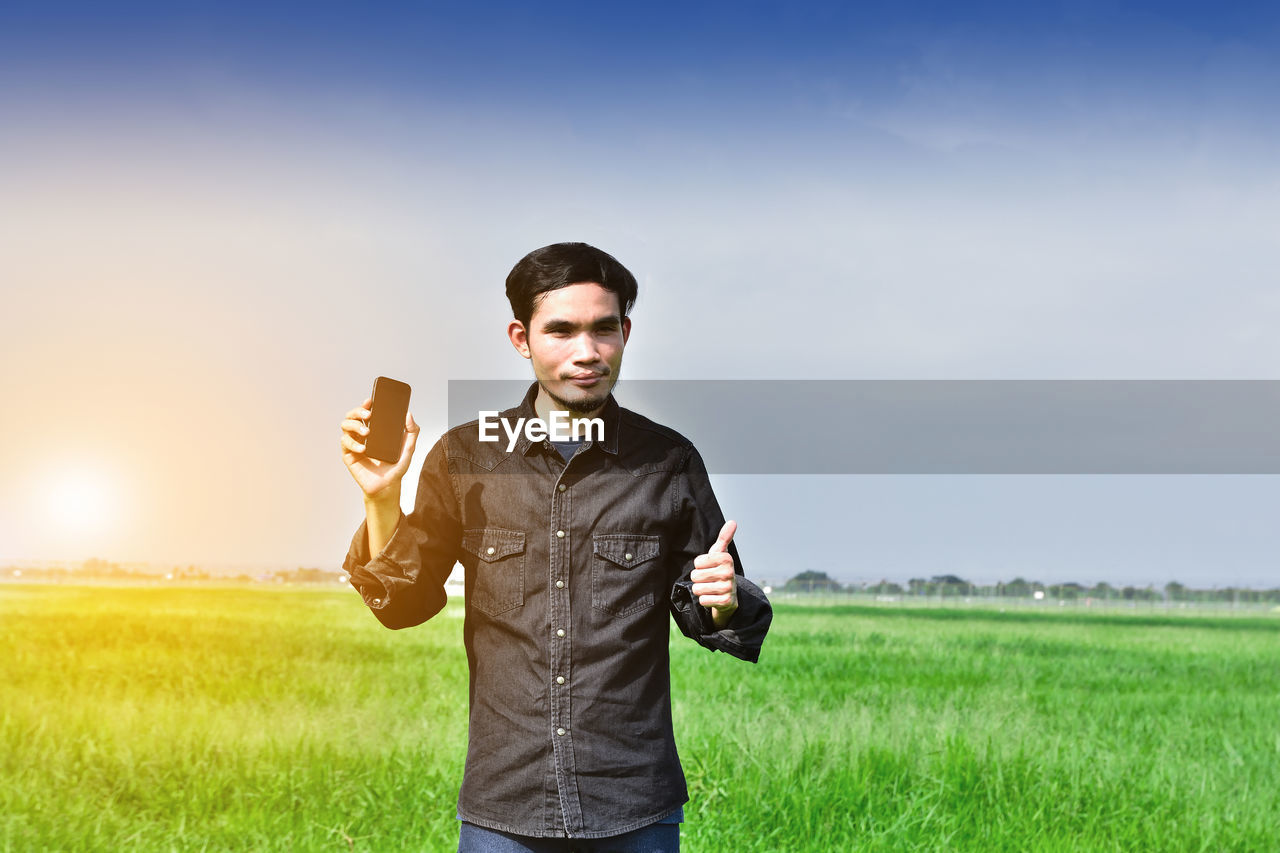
(714, 580)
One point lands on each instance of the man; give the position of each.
(573, 557)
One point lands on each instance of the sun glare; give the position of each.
(80, 502)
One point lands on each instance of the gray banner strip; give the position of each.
(950, 426)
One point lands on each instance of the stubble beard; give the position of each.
(580, 407)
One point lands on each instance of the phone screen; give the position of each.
(386, 419)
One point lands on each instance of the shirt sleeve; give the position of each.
(404, 584)
(699, 521)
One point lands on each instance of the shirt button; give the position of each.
(559, 679)
(562, 487)
(491, 550)
(627, 557)
(559, 632)
(559, 534)
(559, 584)
(377, 601)
(559, 731)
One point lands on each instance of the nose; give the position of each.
(584, 349)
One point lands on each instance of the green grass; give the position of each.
(288, 719)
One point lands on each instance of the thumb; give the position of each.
(726, 536)
(411, 431)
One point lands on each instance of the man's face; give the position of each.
(574, 339)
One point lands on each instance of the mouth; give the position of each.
(586, 380)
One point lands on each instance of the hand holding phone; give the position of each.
(374, 434)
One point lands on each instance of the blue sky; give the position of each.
(226, 211)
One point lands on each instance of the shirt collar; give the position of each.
(610, 414)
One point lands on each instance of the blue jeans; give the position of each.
(654, 838)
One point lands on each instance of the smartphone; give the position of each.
(386, 419)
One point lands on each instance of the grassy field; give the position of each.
(288, 719)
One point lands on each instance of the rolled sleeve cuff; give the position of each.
(744, 634)
(367, 574)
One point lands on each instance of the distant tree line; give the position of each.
(95, 568)
(951, 585)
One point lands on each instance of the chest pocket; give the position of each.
(625, 571)
(499, 568)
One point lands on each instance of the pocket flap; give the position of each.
(493, 543)
(625, 549)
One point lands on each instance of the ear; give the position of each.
(519, 337)
(626, 329)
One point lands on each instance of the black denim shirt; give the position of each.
(570, 572)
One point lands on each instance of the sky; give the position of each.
(220, 221)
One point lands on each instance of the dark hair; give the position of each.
(560, 265)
